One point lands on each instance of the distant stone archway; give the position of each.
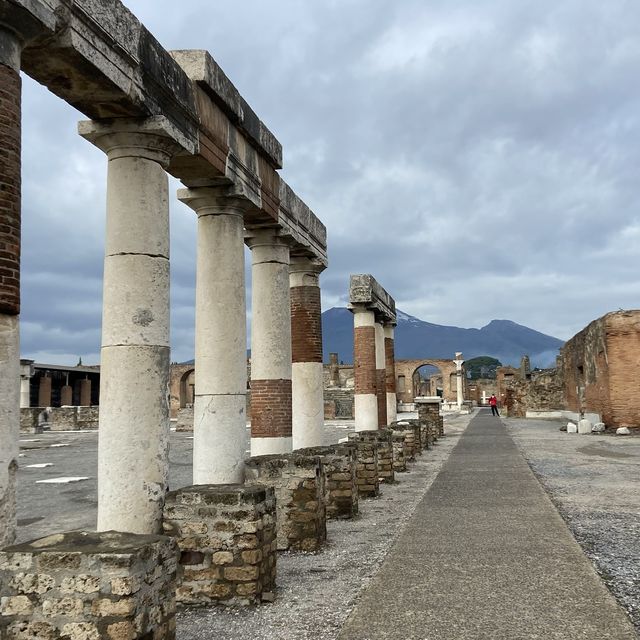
(406, 369)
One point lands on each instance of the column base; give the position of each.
(365, 408)
(269, 446)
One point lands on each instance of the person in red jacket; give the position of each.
(493, 403)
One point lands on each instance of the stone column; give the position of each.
(334, 370)
(459, 394)
(44, 391)
(364, 369)
(390, 369)
(10, 119)
(381, 375)
(134, 403)
(306, 353)
(219, 408)
(26, 372)
(85, 392)
(270, 344)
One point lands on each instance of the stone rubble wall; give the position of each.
(341, 490)
(400, 451)
(59, 419)
(298, 481)
(227, 539)
(367, 477)
(385, 456)
(88, 586)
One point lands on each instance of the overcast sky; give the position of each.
(481, 159)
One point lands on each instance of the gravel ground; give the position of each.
(316, 592)
(594, 480)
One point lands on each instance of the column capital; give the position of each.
(389, 330)
(214, 200)
(267, 237)
(305, 271)
(154, 138)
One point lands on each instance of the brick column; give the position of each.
(390, 371)
(219, 411)
(134, 403)
(10, 119)
(306, 353)
(85, 392)
(270, 344)
(381, 375)
(44, 391)
(66, 396)
(364, 369)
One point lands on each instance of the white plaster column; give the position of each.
(381, 375)
(26, 373)
(270, 344)
(389, 350)
(134, 403)
(364, 369)
(459, 394)
(307, 385)
(219, 409)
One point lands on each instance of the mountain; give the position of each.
(415, 338)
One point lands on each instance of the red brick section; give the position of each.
(364, 360)
(271, 408)
(10, 88)
(382, 397)
(306, 326)
(389, 361)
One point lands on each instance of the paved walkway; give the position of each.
(486, 556)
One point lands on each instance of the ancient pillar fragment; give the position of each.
(134, 403)
(390, 373)
(306, 353)
(459, 393)
(364, 369)
(271, 430)
(219, 411)
(334, 370)
(44, 391)
(85, 392)
(66, 396)
(381, 374)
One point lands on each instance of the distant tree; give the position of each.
(481, 367)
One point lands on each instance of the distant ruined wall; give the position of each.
(601, 367)
(544, 391)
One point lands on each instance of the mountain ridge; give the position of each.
(503, 339)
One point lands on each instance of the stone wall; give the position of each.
(87, 585)
(544, 391)
(338, 403)
(33, 420)
(601, 367)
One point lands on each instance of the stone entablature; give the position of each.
(89, 585)
(365, 290)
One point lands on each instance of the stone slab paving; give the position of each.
(486, 555)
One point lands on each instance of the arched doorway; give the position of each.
(427, 381)
(187, 389)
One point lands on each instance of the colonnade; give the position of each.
(198, 128)
(374, 319)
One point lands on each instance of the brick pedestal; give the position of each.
(341, 490)
(385, 456)
(412, 438)
(367, 477)
(87, 586)
(226, 535)
(298, 482)
(429, 416)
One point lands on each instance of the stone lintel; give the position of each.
(364, 290)
(27, 18)
(105, 63)
(428, 400)
(200, 66)
(307, 233)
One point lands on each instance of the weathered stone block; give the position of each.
(84, 585)
(399, 451)
(367, 479)
(224, 545)
(298, 481)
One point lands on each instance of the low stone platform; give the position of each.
(298, 481)
(226, 535)
(86, 586)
